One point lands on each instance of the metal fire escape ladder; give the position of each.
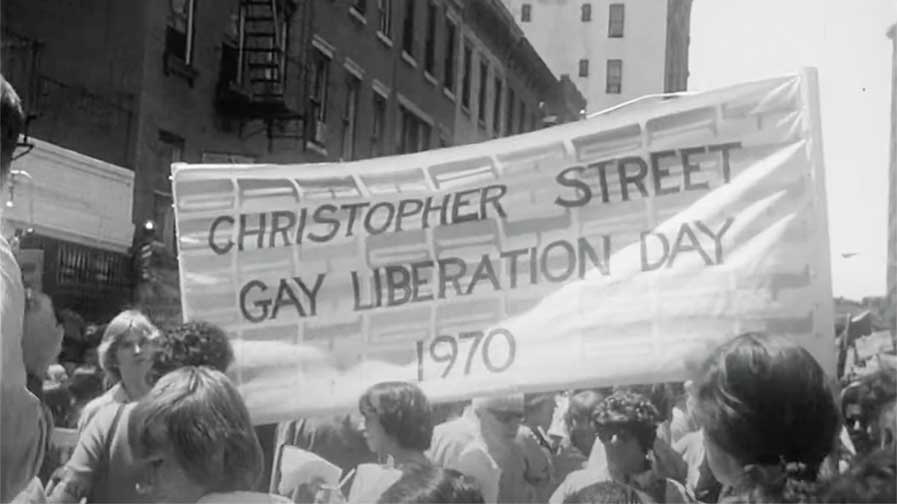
(262, 52)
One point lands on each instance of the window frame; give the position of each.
(483, 92)
(430, 38)
(497, 90)
(585, 14)
(378, 123)
(467, 75)
(448, 68)
(320, 84)
(350, 116)
(584, 67)
(609, 85)
(509, 111)
(526, 13)
(408, 28)
(616, 28)
(189, 35)
(384, 18)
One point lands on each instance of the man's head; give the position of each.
(500, 416)
(12, 120)
(578, 419)
(42, 340)
(540, 410)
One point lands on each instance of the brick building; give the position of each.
(614, 50)
(143, 85)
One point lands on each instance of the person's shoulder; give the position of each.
(100, 412)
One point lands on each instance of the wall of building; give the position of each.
(77, 66)
(892, 192)
(559, 34)
(503, 56)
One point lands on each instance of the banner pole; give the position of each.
(825, 317)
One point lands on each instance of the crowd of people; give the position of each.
(159, 420)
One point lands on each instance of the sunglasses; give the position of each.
(507, 417)
(608, 431)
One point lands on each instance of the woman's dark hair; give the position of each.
(429, 484)
(872, 478)
(404, 412)
(197, 413)
(193, 344)
(632, 410)
(766, 402)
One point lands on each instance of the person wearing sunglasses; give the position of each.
(626, 425)
(481, 444)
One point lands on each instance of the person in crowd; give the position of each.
(604, 492)
(768, 416)
(398, 426)
(864, 403)
(103, 466)
(73, 342)
(42, 339)
(84, 385)
(428, 484)
(193, 437)
(480, 444)
(127, 354)
(533, 441)
(872, 478)
(626, 424)
(336, 438)
(575, 447)
(23, 428)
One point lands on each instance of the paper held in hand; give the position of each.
(300, 467)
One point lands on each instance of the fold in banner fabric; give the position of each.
(606, 251)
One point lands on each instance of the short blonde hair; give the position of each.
(124, 324)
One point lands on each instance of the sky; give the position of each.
(742, 40)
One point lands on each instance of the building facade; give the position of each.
(891, 298)
(614, 50)
(253, 81)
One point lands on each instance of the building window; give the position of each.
(526, 12)
(360, 5)
(496, 107)
(466, 78)
(408, 28)
(615, 20)
(378, 125)
(448, 74)
(319, 83)
(521, 118)
(384, 14)
(430, 43)
(614, 76)
(509, 112)
(415, 133)
(481, 106)
(586, 12)
(350, 118)
(583, 68)
(180, 30)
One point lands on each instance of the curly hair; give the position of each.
(767, 403)
(194, 343)
(404, 412)
(631, 409)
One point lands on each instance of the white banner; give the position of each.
(592, 253)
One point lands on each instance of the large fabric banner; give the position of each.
(605, 251)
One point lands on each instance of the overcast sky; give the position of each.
(739, 40)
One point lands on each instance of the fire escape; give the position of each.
(252, 85)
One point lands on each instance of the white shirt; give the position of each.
(457, 444)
